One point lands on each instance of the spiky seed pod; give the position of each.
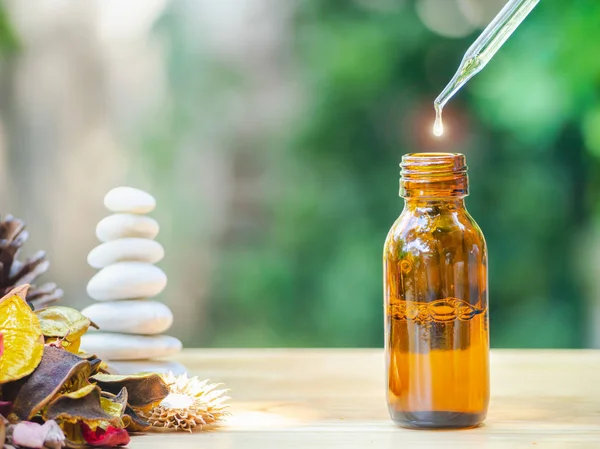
(190, 405)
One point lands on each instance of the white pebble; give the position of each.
(127, 280)
(127, 249)
(147, 366)
(137, 316)
(126, 225)
(129, 347)
(128, 199)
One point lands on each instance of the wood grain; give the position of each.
(285, 398)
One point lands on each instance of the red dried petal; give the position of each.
(111, 437)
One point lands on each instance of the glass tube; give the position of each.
(482, 51)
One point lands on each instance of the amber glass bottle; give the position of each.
(436, 300)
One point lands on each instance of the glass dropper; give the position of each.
(482, 51)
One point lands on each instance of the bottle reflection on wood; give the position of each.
(436, 300)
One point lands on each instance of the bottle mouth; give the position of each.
(433, 164)
(433, 175)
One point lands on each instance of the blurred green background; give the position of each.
(270, 133)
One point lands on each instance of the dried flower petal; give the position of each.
(143, 389)
(57, 370)
(28, 434)
(114, 405)
(55, 438)
(83, 405)
(111, 437)
(134, 422)
(33, 435)
(64, 324)
(23, 342)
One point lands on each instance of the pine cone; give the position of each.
(14, 272)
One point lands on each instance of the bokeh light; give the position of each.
(270, 133)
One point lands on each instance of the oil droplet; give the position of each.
(438, 126)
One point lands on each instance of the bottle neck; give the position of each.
(431, 177)
(449, 203)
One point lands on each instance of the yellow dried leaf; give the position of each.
(73, 433)
(23, 339)
(63, 322)
(82, 392)
(114, 405)
(71, 346)
(84, 405)
(143, 389)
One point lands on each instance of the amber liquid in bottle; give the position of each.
(436, 300)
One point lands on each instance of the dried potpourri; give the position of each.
(48, 397)
(52, 395)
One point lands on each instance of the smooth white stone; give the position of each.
(127, 249)
(129, 347)
(136, 316)
(126, 225)
(129, 199)
(150, 366)
(127, 280)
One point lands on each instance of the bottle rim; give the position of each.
(431, 164)
(433, 175)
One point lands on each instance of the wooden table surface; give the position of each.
(286, 398)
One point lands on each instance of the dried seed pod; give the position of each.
(190, 405)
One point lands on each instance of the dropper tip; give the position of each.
(438, 126)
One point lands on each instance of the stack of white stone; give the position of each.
(129, 322)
